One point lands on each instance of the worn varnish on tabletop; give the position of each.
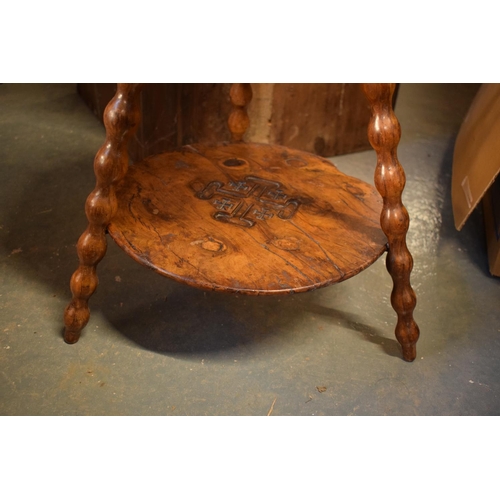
(247, 218)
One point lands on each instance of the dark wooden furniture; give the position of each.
(246, 218)
(327, 119)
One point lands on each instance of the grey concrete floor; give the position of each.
(156, 347)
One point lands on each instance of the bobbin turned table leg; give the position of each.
(121, 118)
(384, 133)
(238, 121)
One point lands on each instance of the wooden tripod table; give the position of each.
(247, 218)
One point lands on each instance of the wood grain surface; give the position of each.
(238, 121)
(247, 218)
(326, 119)
(121, 119)
(384, 133)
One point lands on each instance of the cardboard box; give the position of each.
(476, 164)
(491, 203)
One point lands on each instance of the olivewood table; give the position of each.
(247, 218)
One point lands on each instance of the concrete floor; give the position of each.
(155, 347)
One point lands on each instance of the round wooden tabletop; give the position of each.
(248, 218)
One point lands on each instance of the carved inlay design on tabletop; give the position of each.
(244, 202)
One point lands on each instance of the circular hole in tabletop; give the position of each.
(234, 162)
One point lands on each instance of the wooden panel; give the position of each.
(205, 110)
(97, 96)
(174, 114)
(325, 119)
(158, 130)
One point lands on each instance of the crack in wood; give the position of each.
(281, 257)
(342, 274)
